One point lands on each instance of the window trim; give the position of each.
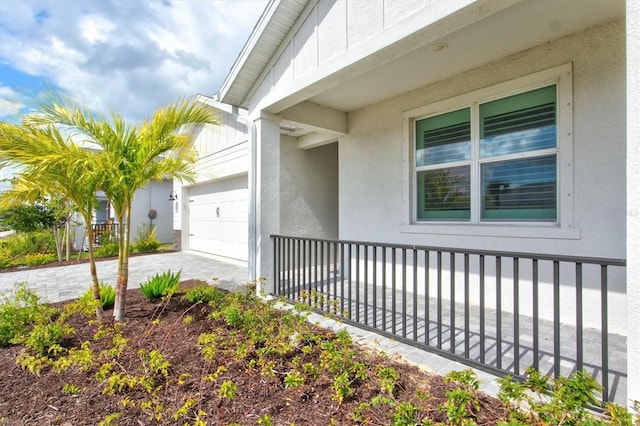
(563, 228)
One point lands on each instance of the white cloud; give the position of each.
(95, 28)
(10, 104)
(128, 56)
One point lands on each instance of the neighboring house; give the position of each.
(450, 173)
(151, 206)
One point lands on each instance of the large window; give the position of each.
(489, 161)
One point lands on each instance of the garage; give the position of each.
(218, 218)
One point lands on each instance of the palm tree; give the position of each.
(52, 164)
(131, 156)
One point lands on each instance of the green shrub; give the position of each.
(204, 294)
(24, 243)
(107, 297)
(45, 338)
(107, 249)
(161, 285)
(146, 241)
(34, 259)
(19, 311)
(6, 258)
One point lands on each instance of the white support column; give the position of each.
(267, 129)
(633, 201)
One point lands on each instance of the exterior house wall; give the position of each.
(154, 196)
(309, 190)
(633, 198)
(371, 196)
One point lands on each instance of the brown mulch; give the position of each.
(26, 399)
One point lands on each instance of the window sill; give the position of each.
(502, 231)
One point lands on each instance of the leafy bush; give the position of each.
(34, 259)
(19, 311)
(563, 400)
(5, 258)
(107, 249)
(204, 294)
(161, 285)
(107, 297)
(45, 338)
(23, 243)
(146, 241)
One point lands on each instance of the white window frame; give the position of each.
(563, 227)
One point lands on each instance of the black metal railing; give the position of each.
(498, 311)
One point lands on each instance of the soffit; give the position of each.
(519, 27)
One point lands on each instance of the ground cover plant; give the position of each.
(202, 356)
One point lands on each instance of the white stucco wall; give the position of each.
(309, 190)
(154, 196)
(371, 155)
(633, 199)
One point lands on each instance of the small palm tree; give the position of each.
(131, 156)
(52, 164)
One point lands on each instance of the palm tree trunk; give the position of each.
(95, 285)
(123, 266)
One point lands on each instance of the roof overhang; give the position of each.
(479, 33)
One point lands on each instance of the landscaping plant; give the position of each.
(242, 360)
(161, 285)
(146, 241)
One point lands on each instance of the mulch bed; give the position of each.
(26, 399)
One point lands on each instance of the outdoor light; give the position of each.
(173, 196)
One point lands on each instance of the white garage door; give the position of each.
(218, 215)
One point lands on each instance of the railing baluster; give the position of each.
(297, 289)
(384, 289)
(375, 286)
(439, 298)
(366, 284)
(604, 309)
(427, 299)
(358, 282)
(342, 262)
(466, 305)
(498, 311)
(350, 294)
(579, 326)
(288, 291)
(415, 295)
(315, 273)
(322, 292)
(482, 310)
(276, 259)
(516, 316)
(536, 318)
(335, 276)
(303, 284)
(393, 290)
(556, 318)
(404, 292)
(452, 302)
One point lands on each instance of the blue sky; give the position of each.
(130, 56)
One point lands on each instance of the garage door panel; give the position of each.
(218, 218)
